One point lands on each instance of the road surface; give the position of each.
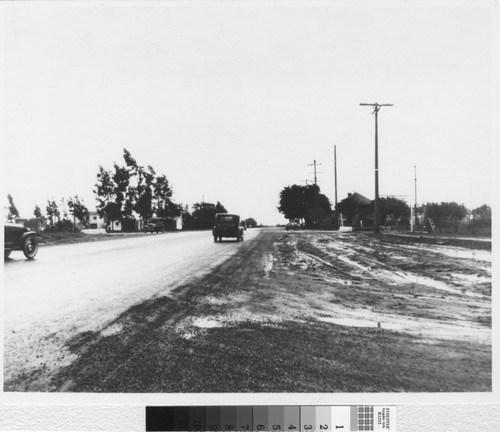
(72, 289)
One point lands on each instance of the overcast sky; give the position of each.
(233, 101)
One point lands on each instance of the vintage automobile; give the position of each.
(18, 237)
(154, 225)
(293, 225)
(227, 225)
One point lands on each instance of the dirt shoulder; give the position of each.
(304, 312)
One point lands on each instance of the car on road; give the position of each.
(18, 237)
(227, 225)
(154, 225)
(293, 225)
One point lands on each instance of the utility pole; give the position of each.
(314, 164)
(376, 107)
(315, 191)
(415, 226)
(335, 169)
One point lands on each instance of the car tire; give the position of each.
(6, 254)
(30, 247)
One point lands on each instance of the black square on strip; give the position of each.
(365, 418)
(159, 419)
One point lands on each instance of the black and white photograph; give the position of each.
(230, 197)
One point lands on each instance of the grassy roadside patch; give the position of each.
(51, 238)
(286, 357)
(481, 243)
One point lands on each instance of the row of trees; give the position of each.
(202, 215)
(393, 211)
(307, 203)
(64, 214)
(448, 216)
(127, 191)
(133, 189)
(59, 215)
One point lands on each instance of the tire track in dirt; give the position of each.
(435, 307)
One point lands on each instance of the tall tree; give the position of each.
(204, 214)
(219, 208)
(121, 179)
(79, 210)
(144, 203)
(132, 190)
(53, 213)
(37, 212)
(393, 209)
(250, 222)
(187, 218)
(292, 202)
(108, 204)
(445, 214)
(483, 212)
(130, 162)
(162, 192)
(302, 202)
(144, 194)
(13, 212)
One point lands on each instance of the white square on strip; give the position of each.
(341, 418)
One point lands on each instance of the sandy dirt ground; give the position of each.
(304, 312)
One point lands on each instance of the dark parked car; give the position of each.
(227, 225)
(18, 237)
(154, 225)
(294, 225)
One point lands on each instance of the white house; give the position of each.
(96, 221)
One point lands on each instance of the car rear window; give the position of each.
(227, 219)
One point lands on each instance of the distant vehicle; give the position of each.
(227, 225)
(154, 225)
(293, 225)
(18, 237)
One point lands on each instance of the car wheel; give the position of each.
(6, 254)
(30, 247)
